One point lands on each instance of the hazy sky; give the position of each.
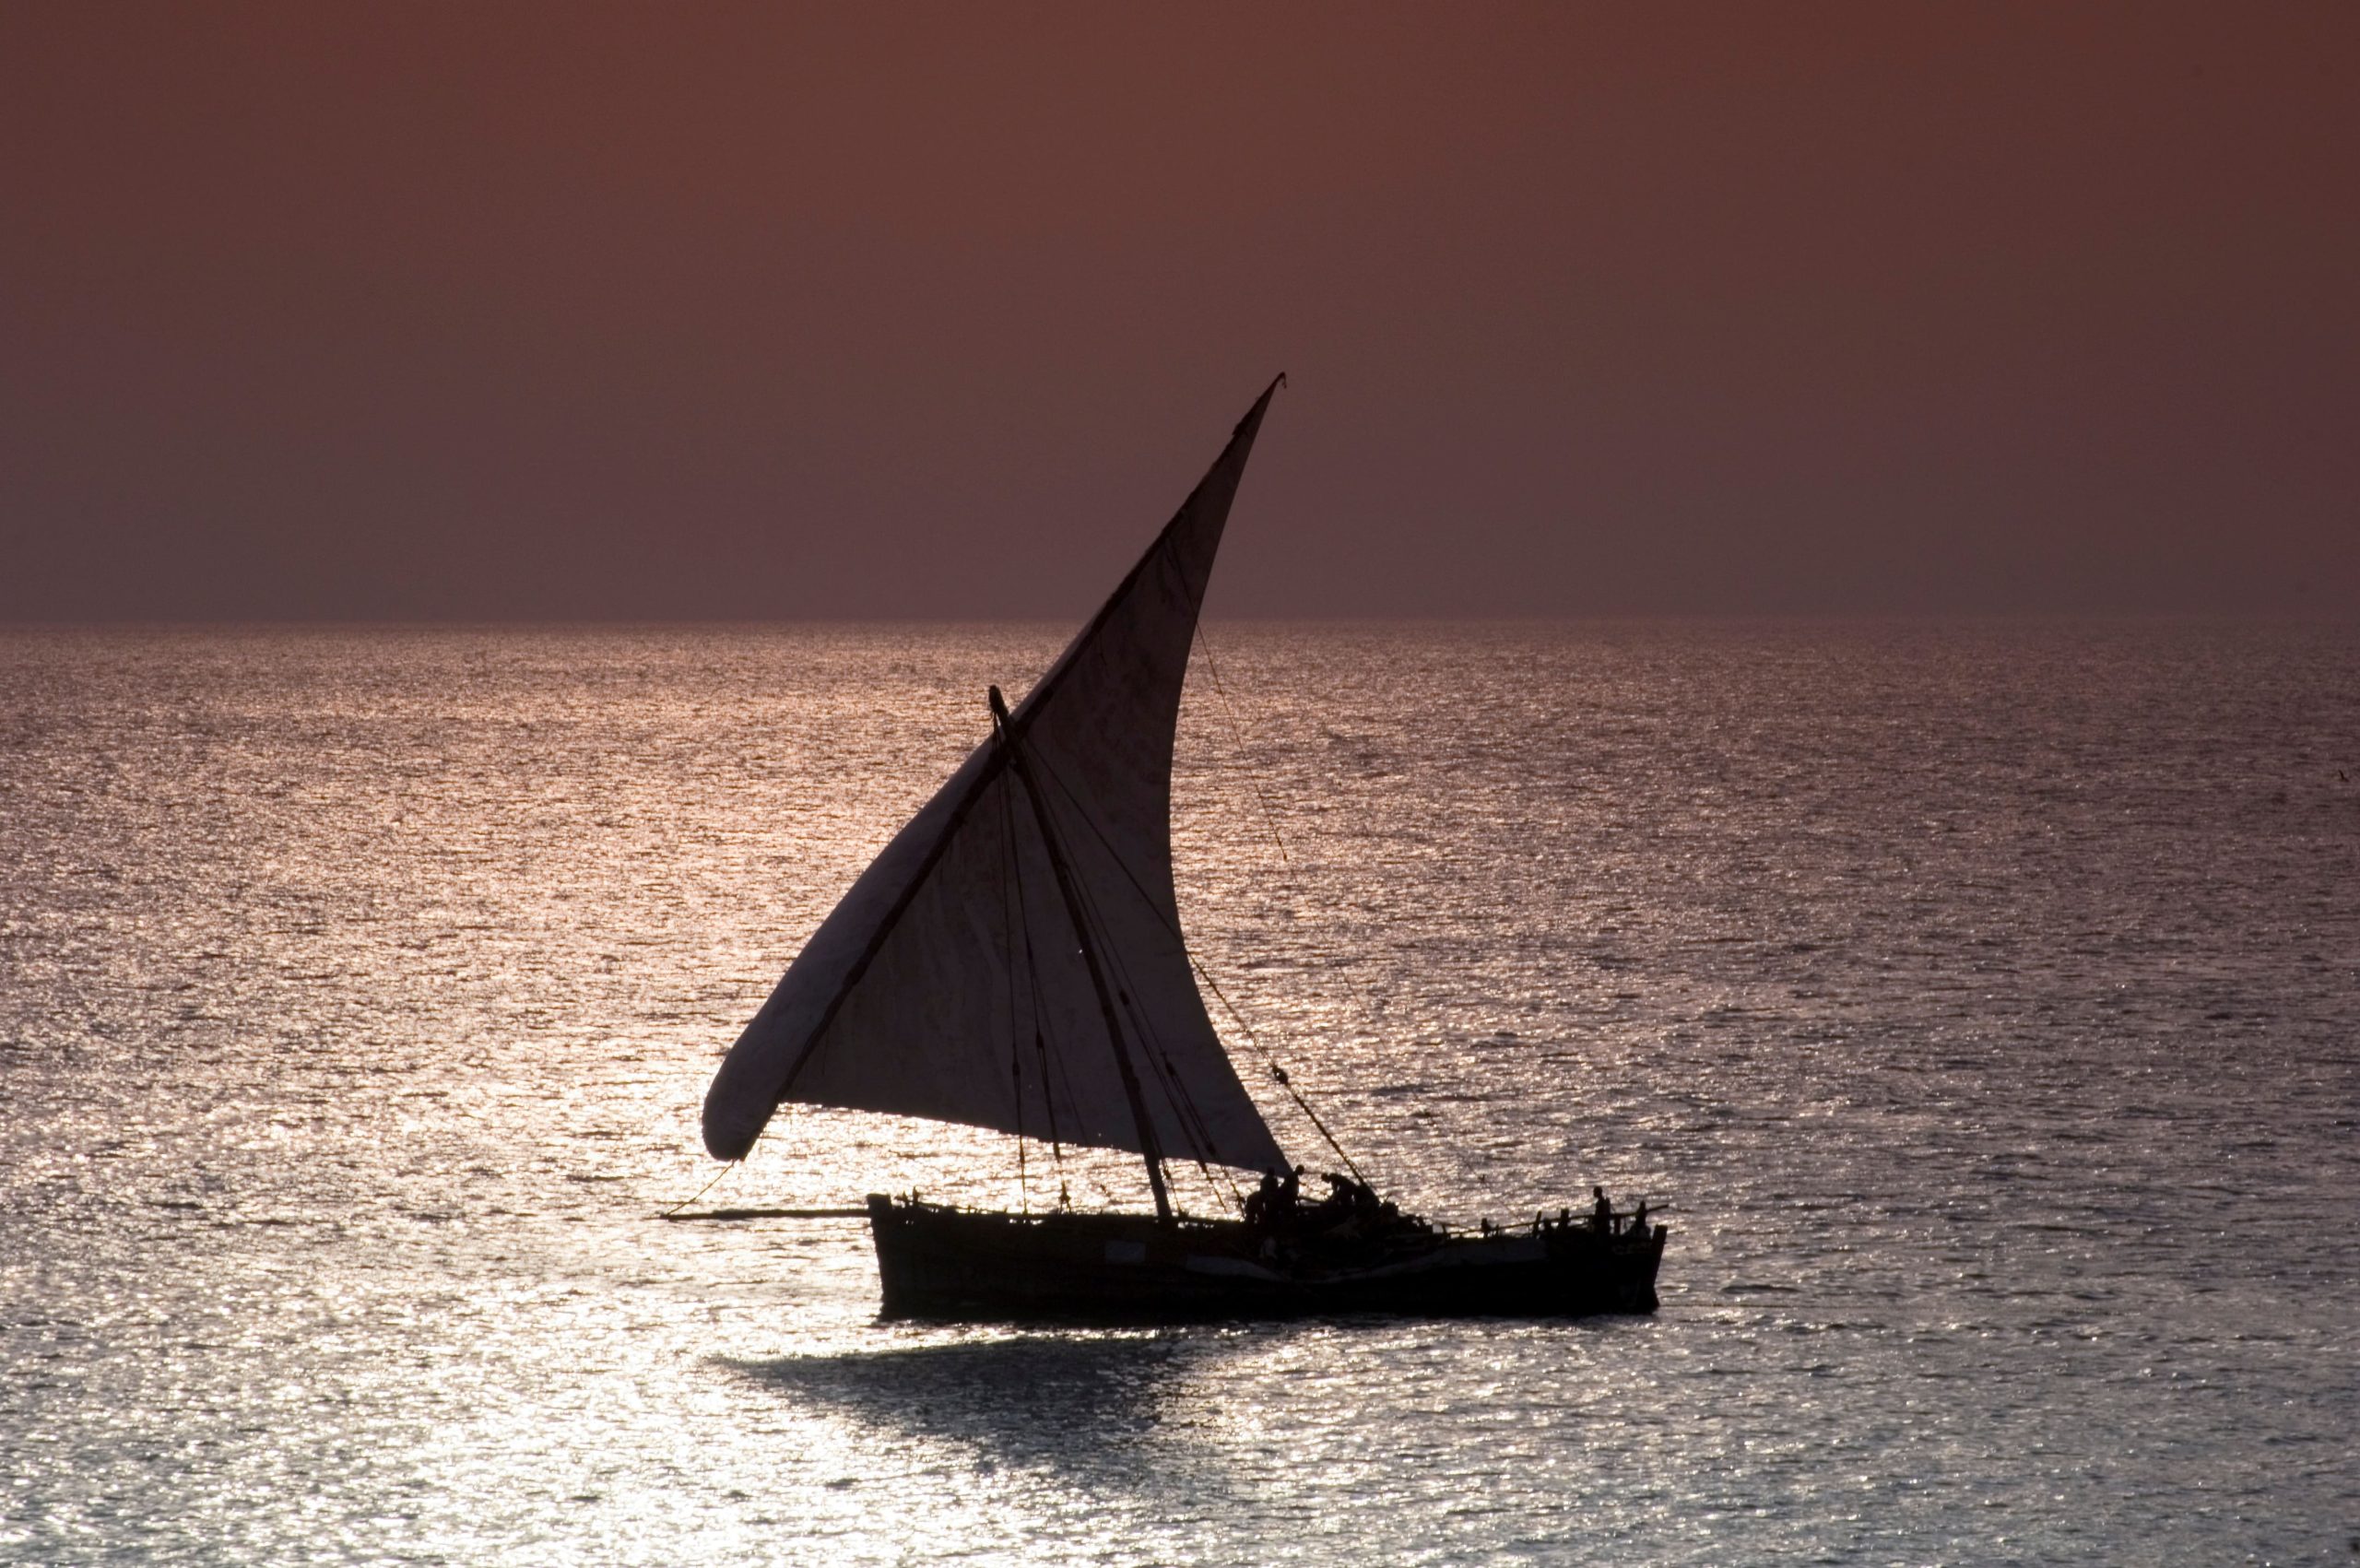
(491, 309)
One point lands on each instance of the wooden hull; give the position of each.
(971, 1265)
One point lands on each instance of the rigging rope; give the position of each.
(704, 1190)
(1165, 1075)
(1269, 1059)
(1022, 926)
(1015, 891)
(1270, 817)
(1237, 733)
(1277, 1073)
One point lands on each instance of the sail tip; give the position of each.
(724, 1144)
(1253, 415)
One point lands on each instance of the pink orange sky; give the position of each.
(493, 310)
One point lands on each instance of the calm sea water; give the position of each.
(1981, 1002)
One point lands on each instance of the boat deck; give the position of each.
(970, 1265)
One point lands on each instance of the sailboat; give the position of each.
(1013, 959)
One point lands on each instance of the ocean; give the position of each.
(1980, 1003)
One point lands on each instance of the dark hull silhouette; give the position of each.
(974, 1266)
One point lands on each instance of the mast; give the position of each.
(1151, 1148)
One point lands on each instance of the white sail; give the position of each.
(952, 983)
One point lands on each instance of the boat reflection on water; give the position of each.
(1076, 1404)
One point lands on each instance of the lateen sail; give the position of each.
(950, 984)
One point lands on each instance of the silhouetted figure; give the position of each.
(1335, 1207)
(1601, 1212)
(1639, 1221)
(1261, 1201)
